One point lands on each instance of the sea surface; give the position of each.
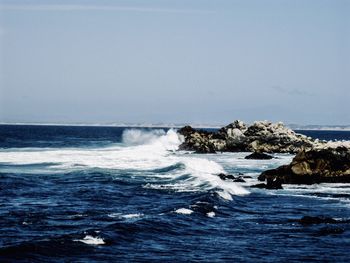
(92, 194)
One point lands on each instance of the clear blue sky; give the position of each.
(175, 61)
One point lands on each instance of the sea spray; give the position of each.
(139, 137)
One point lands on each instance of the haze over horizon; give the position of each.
(175, 61)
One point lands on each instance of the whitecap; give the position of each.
(184, 211)
(90, 240)
(132, 215)
(211, 214)
(126, 216)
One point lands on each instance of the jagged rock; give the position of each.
(196, 140)
(219, 144)
(186, 131)
(258, 156)
(234, 126)
(262, 136)
(329, 163)
(270, 137)
(234, 136)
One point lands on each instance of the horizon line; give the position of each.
(89, 7)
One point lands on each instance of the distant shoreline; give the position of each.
(145, 125)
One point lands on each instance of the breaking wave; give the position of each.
(147, 154)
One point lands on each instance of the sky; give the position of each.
(167, 61)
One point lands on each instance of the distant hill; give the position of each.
(319, 127)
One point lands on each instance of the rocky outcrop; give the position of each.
(261, 136)
(258, 156)
(328, 163)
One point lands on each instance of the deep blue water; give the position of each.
(87, 194)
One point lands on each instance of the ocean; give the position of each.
(118, 194)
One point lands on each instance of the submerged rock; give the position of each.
(261, 136)
(330, 230)
(258, 156)
(327, 223)
(329, 163)
(310, 220)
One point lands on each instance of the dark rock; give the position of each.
(226, 176)
(258, 156)
(186, 131)
(319, 165)
(205, 148)
(203, 207)
(196, 140)
(239, 180)
(311, 220)
(272, 184)
(261, 186)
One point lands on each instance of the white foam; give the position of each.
(225, 195)
(90, 240)
(184, 211)
(206, 171)
(151, 155)
(126, 216)
(211, 214)
(131, 216)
